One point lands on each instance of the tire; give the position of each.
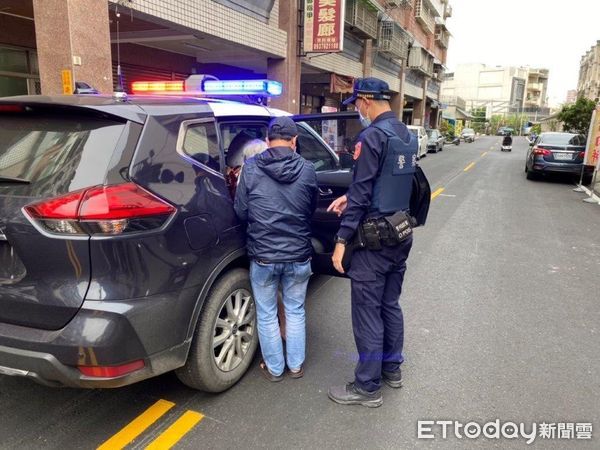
(531, 175)
(228, 308)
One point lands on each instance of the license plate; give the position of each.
(563, 156)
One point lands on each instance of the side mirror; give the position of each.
(346, 160)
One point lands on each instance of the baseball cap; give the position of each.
(283, 126)
(372, 88)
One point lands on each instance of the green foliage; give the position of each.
(444, 126)
(478, 121)
(495, 123)
(576, 117)
(537, 129)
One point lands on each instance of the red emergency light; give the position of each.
(158, 87)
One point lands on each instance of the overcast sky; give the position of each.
(538, 33)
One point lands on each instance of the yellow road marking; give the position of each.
(436, 193)
(175, 432)
(137, 426)
(483, 154)
(469, 167)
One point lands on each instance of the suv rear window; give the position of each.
(562, 139)
(72, 150)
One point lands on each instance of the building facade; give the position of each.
(589, 74)
(403, 42)
(571, 96)
(500, 90)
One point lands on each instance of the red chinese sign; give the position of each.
(323, 26)
(592, 153)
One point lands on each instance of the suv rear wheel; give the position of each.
(226, 336)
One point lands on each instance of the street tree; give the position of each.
(576, 117)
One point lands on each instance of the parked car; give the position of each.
(435, 142)
(505, 131)
(421, 135)
(121, 256)
(468, 135)
(557, 153)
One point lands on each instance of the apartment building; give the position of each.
(403, 42)
(500, 90)
(589, 74)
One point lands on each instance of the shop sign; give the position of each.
(323, 26)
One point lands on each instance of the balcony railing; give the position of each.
(424, 16)
(362, 18)
(393, 41)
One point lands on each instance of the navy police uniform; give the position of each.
(385, 155)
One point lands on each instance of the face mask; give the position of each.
(365, 121)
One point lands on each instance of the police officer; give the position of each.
(385, 160)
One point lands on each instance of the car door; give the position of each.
(328, 140)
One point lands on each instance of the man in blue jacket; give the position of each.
(276, 197)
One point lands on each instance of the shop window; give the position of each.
(13, 60)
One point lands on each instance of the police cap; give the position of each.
(371, 88)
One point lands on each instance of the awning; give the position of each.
(462, 114)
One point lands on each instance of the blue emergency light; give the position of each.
(243, 87)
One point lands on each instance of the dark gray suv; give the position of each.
(121, 257)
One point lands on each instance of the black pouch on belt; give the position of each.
(401, 225)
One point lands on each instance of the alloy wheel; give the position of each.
(234, 330)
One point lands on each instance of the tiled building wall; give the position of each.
(337, 63)
(217, 20)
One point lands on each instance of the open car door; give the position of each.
(328, 140)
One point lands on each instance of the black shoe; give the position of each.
(392, 379)
(350, 394)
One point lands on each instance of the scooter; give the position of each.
(453, 140)
(506, 144)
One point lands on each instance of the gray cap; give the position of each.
(283, 126)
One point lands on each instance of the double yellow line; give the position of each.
(141, 423)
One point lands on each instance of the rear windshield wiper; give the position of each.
(13, 180)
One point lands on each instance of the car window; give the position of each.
(562, 139)
(47, 148)
(413, 131)
(235, 137)
(201, 143)
(310, 148)
(432, 134)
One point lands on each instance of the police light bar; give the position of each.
(158, 87)
(202, 85)
(243, 87)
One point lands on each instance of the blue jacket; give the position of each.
(276, 197)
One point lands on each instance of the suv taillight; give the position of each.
(108, 210)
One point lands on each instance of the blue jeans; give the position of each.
(266, 279)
